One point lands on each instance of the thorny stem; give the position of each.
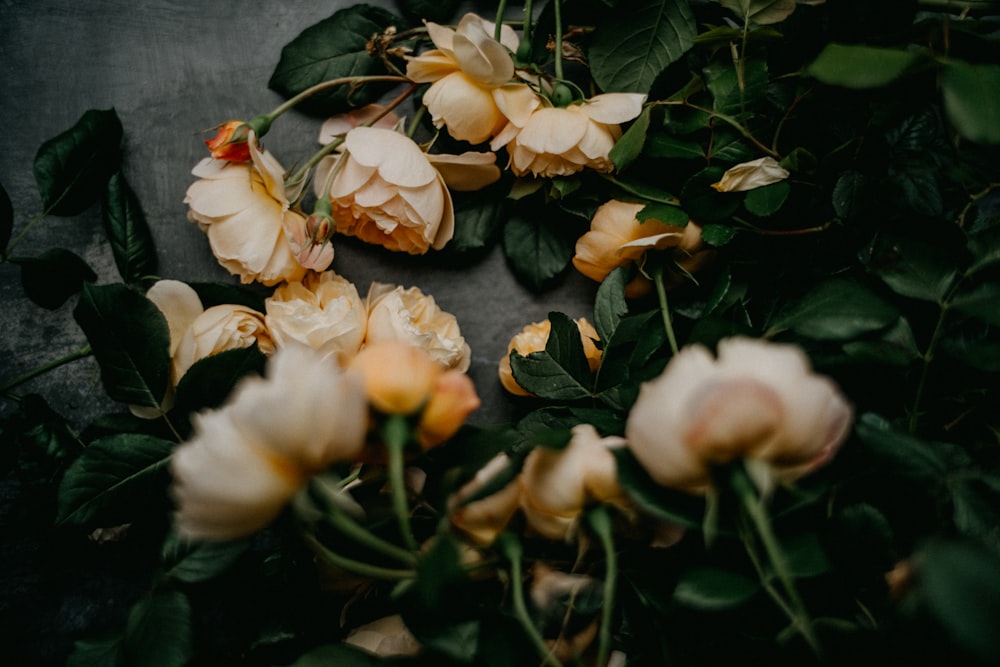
(511, 549)
(661, 294)
(84, 351)
(600, 523)
(396, 433)
(357, 567)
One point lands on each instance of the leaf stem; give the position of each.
(661, 294)
(729, 120)
(557, 5)
(510, 546)
(350, 528)
(498, 23)
(600, 522)
(927, 357)
(357, 567)
(20, 237)
(333, 83)
(84, 351)
(396, 433)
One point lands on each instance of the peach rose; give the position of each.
(481, 521)
(532, 338)
(554, 141)
(410, 316)
(470, 75)
(248, 459)
(243, 209)
(323, 311)
(617, 238)
(220, 328)
(756, 401)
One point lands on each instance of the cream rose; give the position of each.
(555, 141)
(410, 316)
(220, 328)
(248, 459)
(323, 311)
(470, 75)
(243, 209)
(532, 338)
(751, 175)
(385, 637)
(756, 401)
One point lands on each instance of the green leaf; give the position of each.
(713, 589)
(438, 11)
(331, 49)
(902, 454)
(662, 145)
(214, 294)
(131, 343)
(702, 202)
(723, 83)
(477, 223)
(896, 346)
(538, 249)
(341, 655)
(6, 221)
(805, 555)
(196, 561)
(859, 66)
(158, 632)
(836, 309)
(848, 195)
(42, 441)
(629, 146)
(609, 304)
(920, 188)
(657, 501)
(561, 371)
(982, 301)
(766, 200)
(210, 381)
(113, 479)
(717, 235)
(913, 268)
(127, 231)
(668, 214)
(106, 652)
(761, 11)
(72, 167)
(50, 279)
(631, 48)
(972, 100)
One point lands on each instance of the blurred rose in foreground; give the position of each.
(243, 209)
(757, 401)
(532, 338)
(324, 311)
(248, 459)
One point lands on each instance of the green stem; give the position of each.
(557, 5)
(20, 237)
(527, 22)
(729, 120)
(661, 294)
(357, 567)
(927, 357)
(333, 83)
(600, 522)
(396, 433)
(84, 351)
(349, 528)
(498, 24)
(510, 546)
(753, 509)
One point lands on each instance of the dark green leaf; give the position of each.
(985, 249)
(633, 47)
(976, 508)
(766, 200)
(340, 655)
(158, 632)
(477, 223)
(105, 652)
(805, 555)
(836, 309)
(860, 66)
(895, 346)
(42, 440)
(537, 249)
(663, 145)
(560, 372)
(6, 221)
(972, 100)
(914, 268)
(714, 589)
(72, 168)
(761, 11)
(657, 501)
(609, 304)
(130, 340)
(905, 455)
(438, 11)
(723, 82)
(113, 479)
(331, 49)
(702, 202)
(127, 231)
(53, 277)
(920, 189)
(717, 235)
(848, 194)
(665, 213)
(214, 294)
(196, 561)
(209, 381)
(982, 301)
(629, 146)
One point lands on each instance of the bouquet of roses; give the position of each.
(775, 438)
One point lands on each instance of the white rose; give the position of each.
(324, 312)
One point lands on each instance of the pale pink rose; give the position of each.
(386, 637)
(323, 311)
(470, 75)
(250, 457)
(220, 328)
(532, 338)
(482, 520)
(410, 316)
(558, 484)
(243, 208)
(751, 175)
(554, 141)
(758, 401)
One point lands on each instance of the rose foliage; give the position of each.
(774, 440)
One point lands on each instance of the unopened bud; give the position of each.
(230, 142)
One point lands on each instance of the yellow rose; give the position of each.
(470, 76)
(410, 316)
(243, 209)
(452, 400)
(323, 311)
(617, 238)
(248, 459)
(220, 328)
(398, 377)
(756, 401)
(532, 338)
(555, 141)
(481, 521)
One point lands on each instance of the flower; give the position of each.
(410, 316)
(243, 209)
(230, 142)
(248, 459)
(470, 75)
(554, 141)
(385, 637)
(452, 400)
(533, 338)
(339, 125)
(483, 519)
(387, 192)
(757, 401)
(616, 238)
(555, 595)
(323, 311)
(219, 328)
(557, 484)
(750, 175)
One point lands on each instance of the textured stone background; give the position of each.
(171, 68)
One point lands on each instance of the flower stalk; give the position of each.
(396, 434)
(599, 520)
(661, 294)
(83, 352)
(511, 549)
(357, 567)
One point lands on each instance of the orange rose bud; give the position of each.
(453, 399)
(398, 377)
(230, 142)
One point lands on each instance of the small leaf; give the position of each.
(6, 221)
(209, 381)
(767, 200)
(50, 279)
(657, 501)
(704, 203)
(859, 66)
(663, 145)
(629, 146)
(196, 561)
(331, 49)
(610, 305)
(477, 223)
(836, 309)
(561, 371)
(665, 213)
(113, 479)
(106, 652)
(158, 632)
(538, 249)
(914, 268)
(713, 589)
(341, 655)
(631, 48)
(72, 168)
(848, 195)
(723, 83)
(972, 100)
(127, 231)
(982, 301)
(717, 235)
(130, 340)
